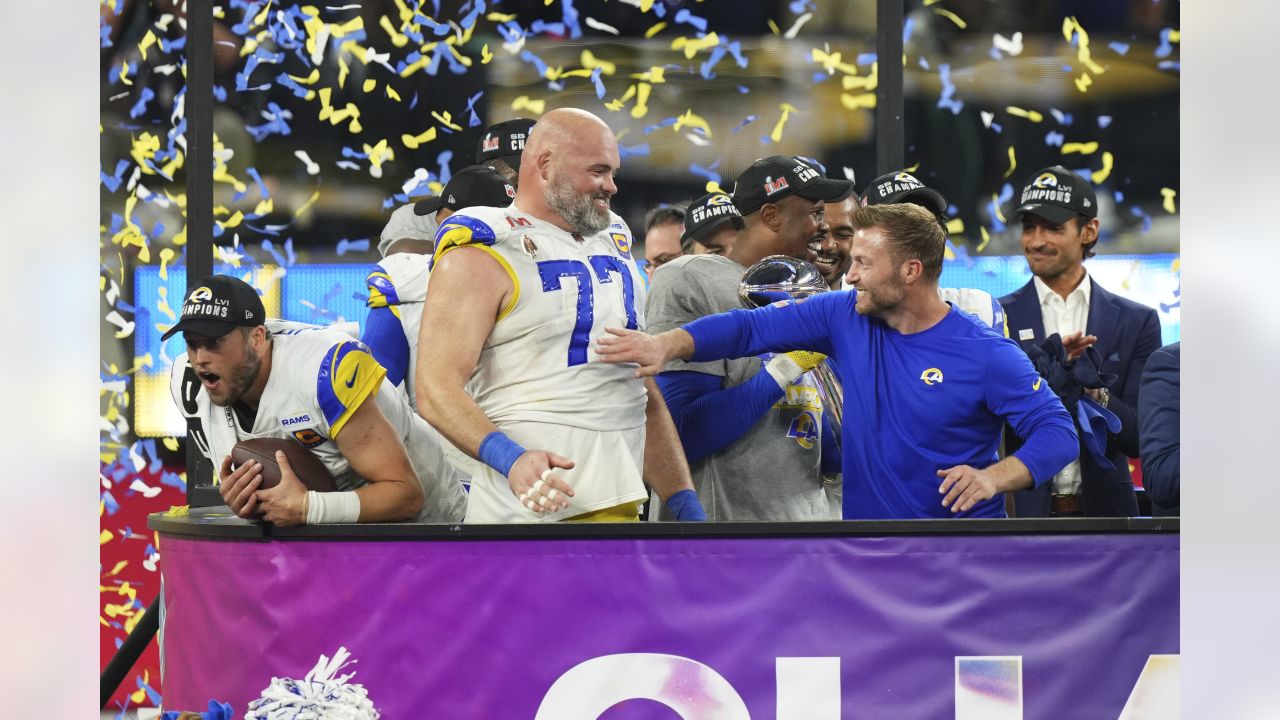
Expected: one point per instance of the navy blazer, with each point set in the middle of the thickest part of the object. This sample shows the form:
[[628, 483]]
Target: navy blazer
[[1127, 334], [1158, 429]]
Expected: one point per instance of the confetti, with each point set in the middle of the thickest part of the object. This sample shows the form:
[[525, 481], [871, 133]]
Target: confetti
[[1084, 148], [1031, 115], [1169, 194], [1101, 175], [1010, 46], [1013, 163]]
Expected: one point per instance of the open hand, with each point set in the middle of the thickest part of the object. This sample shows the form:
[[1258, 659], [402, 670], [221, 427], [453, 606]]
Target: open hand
[[538, 488]]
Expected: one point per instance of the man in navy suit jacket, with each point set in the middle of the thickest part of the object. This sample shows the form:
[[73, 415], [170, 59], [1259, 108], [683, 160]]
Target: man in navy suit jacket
[[1059, 214], [1159, 409]]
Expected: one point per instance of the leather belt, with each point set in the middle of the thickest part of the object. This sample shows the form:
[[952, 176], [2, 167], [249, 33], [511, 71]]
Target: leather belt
[[1060, 504]]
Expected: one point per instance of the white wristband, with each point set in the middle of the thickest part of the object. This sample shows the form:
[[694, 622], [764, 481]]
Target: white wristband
[[783, 370], [332, 507]]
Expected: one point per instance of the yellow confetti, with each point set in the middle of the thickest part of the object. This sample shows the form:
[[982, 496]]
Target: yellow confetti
[[446, 119], [787, 109], [398, 38], [692, 46], [948, 253], [952, 17], [308, 80], [831, 62], [656, 75], [178, 511], [646, 5], [485, 56], [864, 101], [171, 443], [868, 83], [986, 238], [591, 62], [1175, 36], [1101, 175], [955, 226], [773, 27], [105, 537], [1072, 26], [1169, 194], [166, 255], [369, 85], [1031, 115], [1084, 148], [714, 187], [462, 59], [1083, 82], [995, 203], [524, 102], [413, 141], [500, 17], [342, 72], [657, 28], [124, 72], [145, 44], [118, 567], [391, 93], [307, 205], [263, 207], [689, 119], [642, 103], [1013, 162]]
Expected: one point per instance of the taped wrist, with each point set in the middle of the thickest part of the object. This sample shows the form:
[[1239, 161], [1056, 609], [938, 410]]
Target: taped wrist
[[499, 452], [332, 507], [685, 506]]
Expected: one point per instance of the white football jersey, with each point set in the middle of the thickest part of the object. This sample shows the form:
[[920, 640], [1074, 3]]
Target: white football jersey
[[399, 283], [539, 363], [319, 377], [538, 376]]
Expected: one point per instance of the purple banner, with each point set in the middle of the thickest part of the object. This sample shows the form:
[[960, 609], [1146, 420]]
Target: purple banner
[[943, 627]]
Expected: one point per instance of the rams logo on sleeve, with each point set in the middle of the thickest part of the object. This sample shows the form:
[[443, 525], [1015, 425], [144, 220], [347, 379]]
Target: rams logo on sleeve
[[348, 375], [382, 291], [458, 231]]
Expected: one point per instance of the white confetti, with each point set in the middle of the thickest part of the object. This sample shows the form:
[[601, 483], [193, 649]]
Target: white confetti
[[1010, 46], [126, 326], [987, 117], [595, 24], [790, 34], [312, 167], [322, 39], [140, 487], [347, 165], [419, 176]]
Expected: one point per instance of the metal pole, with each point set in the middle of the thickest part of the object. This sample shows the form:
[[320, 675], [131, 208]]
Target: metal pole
[[890, 132], [199, 168], [129, 653]]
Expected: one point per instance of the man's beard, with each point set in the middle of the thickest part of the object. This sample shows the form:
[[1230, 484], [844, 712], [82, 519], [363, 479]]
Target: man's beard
[[241, 378], [577, 209]]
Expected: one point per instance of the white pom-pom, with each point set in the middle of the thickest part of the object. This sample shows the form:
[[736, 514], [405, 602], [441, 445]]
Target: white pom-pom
[[319, 696]]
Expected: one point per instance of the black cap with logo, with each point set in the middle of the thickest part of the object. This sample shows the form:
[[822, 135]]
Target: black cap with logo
[[218, 305], [770, 179], [504, 140], [903, 187], [471, 186], [708, 213], [1057, 195]]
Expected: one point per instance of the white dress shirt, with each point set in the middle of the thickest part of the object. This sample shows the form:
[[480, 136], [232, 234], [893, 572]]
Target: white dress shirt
[[1065, 317]]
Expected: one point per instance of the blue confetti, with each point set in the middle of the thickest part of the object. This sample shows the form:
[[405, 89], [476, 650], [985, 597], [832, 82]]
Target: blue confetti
[[1146, 219], [1119, 196], [471, 108], [570, 16], [1066, 68], [1119, 47], [536, 61], [745, 122], [1053, 138], [1170, 65], [444, 159], [709, 173], [743, 89], [140, 107], [595, 80], [110, 503], [993, 52], [865, 58], [687, 18], [797, 7], [1104, 120], [1165, 47], [104, 34], [345, 246], [174, 480], [152, 695], [349, 152], [907, 26], [639, 150], [112, 182], [945, 100], [818, 77], [997, 127]]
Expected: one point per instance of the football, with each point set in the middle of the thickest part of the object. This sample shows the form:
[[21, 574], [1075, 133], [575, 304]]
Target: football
[[313, 474]]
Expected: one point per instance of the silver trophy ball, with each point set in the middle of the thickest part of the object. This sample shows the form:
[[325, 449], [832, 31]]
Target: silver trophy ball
[[777, 278]]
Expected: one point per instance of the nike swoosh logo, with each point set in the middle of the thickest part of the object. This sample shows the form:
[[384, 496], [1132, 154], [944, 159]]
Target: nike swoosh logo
[[1033, 387], [352, 382]]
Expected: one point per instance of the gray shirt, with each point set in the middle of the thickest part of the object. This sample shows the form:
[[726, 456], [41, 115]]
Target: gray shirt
[[772, 472]]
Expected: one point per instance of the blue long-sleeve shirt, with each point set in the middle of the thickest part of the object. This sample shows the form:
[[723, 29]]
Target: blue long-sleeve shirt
[[914, 404]]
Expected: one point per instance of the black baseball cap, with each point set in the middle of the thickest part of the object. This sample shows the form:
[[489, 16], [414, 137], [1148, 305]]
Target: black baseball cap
[[504, 140], [770, 179], [474, 185], [1057, 195], [903, 187], [218, 305], [708, 213]]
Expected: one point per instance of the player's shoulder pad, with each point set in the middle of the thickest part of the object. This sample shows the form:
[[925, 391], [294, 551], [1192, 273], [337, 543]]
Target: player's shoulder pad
[[398, 278], [348, 374], [469, 226]]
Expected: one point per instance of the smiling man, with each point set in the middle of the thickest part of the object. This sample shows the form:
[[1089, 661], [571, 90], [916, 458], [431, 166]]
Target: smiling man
[[927, 390], [246, 377], [830, 253], [505, 368], [752, 428], [1059, 215]]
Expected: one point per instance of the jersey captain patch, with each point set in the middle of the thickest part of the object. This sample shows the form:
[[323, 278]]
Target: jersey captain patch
[[348, 374], [623, 243]]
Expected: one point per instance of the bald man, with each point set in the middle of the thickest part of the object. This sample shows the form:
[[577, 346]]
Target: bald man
[[522, 293]]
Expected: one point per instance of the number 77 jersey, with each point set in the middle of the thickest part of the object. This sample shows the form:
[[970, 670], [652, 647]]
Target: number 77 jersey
[[539, 363]]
